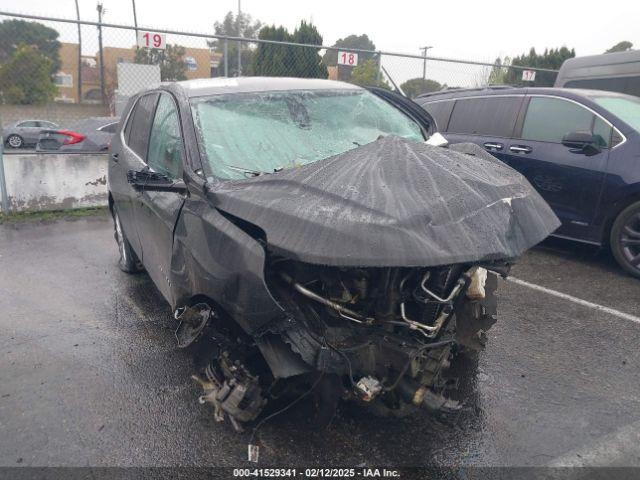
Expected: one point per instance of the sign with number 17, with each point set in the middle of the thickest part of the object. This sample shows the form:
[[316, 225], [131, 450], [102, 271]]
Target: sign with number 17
[[152, 40], [348, 58]]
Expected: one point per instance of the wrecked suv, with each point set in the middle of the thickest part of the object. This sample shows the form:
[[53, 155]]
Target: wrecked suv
[[306, 235]]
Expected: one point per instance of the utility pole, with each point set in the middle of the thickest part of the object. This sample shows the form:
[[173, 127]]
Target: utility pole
[[424, 64], [79, 79], [239, 42], [135, 21], [101, 10]]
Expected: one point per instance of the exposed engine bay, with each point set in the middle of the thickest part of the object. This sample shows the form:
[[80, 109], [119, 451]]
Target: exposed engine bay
[[354, 279], [379, 336]]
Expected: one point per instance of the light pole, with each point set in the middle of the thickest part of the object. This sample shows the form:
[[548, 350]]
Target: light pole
[[79, 79], [239, 42], [135, 20], [424, 64], [101, 11]]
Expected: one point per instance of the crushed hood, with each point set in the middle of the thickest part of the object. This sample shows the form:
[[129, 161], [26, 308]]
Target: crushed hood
[[394, 203]]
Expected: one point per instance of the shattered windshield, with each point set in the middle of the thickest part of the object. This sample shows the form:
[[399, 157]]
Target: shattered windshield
[[246, 134]]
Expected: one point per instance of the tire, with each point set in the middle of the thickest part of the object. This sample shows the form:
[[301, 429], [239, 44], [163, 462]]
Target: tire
[[15, 141], [128, 261], [625, 239]]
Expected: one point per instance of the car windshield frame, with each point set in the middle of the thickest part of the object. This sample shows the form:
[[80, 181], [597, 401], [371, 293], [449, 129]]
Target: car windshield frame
[[301, 105], [614, 104]]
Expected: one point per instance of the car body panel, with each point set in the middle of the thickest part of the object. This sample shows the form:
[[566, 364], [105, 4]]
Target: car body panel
[[404, 204]]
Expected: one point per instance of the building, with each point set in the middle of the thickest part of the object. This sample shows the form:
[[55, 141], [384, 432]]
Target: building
[[199, 63]]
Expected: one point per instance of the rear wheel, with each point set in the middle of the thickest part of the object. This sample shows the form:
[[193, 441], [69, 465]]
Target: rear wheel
[[625, 239], [128, 259], [15, 141]]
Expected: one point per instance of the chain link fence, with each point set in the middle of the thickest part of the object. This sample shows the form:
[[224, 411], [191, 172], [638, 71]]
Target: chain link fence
[[62, 70]]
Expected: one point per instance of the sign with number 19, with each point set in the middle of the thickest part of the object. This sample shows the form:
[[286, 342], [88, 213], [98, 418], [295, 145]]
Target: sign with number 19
[[152, 40]]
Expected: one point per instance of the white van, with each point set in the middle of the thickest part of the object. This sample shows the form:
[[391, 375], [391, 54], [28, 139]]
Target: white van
[[615, 72]]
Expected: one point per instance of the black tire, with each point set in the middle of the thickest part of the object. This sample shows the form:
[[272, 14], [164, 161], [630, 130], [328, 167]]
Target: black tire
[[128, 261], [15, 141], [625, 239]]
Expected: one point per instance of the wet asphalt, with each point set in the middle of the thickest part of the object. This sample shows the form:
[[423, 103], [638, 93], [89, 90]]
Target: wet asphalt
[[90, 374]]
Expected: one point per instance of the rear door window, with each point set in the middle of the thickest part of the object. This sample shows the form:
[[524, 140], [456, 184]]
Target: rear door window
[[140, 121], [550, 119], [440, 111], [165, 144], [489, 116]]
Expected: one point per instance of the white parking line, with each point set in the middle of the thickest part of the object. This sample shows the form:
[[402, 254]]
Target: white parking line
[[619, 448], [579, 301]]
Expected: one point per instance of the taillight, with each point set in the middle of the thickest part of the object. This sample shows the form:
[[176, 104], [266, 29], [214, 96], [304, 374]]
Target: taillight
[[71, 137]]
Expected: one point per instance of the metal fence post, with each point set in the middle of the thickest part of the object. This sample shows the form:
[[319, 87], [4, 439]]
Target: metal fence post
[[3, 183], [226, 57], [379, 72]]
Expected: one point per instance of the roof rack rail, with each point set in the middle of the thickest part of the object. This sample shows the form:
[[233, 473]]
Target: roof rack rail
[[471, 89]]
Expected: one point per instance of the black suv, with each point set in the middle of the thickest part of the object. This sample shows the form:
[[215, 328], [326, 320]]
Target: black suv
[[579, 148], [302, 230]]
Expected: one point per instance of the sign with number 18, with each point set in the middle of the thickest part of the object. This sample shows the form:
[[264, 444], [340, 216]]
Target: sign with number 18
[[348, 58]]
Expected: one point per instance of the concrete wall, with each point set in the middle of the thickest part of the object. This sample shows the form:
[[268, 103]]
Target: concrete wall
[[55, 181], [60, 113]]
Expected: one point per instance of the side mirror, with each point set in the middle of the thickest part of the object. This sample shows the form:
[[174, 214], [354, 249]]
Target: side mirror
[[154, 182], [581, 142]]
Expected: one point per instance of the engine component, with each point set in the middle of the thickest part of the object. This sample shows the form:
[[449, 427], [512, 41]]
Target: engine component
[[368, 388], [342, 310], [422, 397], [476, 290], [238, 395]]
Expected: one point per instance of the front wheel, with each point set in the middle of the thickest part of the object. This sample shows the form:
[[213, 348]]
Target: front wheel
[[625, 239], [128, 259], [15, 141]]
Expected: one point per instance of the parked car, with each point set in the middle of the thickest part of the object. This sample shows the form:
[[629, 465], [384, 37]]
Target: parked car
[[615, 72], [579, 148], [302, 230], [25, 133], [88, 135]]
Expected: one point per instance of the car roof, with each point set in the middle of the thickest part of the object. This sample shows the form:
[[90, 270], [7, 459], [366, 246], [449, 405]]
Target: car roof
[[475, 92], [602, 59], [33, 120], [221, 85]]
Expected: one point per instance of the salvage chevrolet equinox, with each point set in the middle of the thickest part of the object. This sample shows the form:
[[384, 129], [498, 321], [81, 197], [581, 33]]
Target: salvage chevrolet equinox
[[306, 236]]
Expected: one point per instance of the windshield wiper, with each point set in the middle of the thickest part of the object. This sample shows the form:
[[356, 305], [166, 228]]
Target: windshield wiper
[[248, 171]]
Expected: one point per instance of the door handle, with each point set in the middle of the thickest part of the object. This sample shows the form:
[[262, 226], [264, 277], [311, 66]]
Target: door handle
[[114, 157], [493, 146], [520, 149]]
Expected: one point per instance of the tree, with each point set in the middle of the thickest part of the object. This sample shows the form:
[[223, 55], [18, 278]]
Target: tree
[[171, 61], [498, 74], [289, 61], [307, 62], [366, 75], [271, 60], [361, 42], [551, 58], [416, 86], [26, 77], [43, 39], [247, 28], [620, 47]]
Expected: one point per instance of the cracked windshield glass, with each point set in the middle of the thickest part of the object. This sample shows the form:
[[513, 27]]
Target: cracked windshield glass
[[248, 134]]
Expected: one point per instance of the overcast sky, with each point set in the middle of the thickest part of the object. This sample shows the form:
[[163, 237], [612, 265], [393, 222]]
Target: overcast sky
[[463, 28]]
